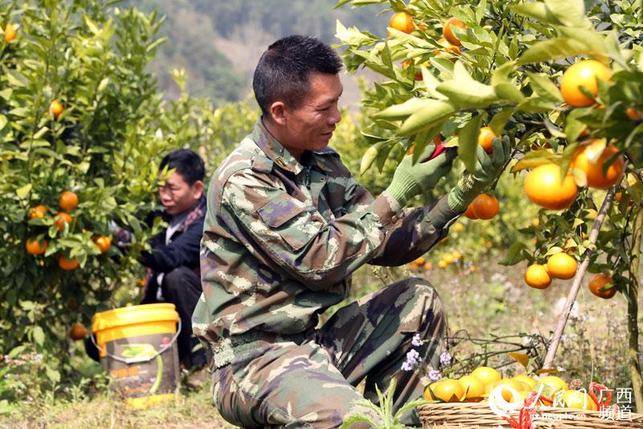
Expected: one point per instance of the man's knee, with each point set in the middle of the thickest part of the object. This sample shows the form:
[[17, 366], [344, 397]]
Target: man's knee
[[178, 279]]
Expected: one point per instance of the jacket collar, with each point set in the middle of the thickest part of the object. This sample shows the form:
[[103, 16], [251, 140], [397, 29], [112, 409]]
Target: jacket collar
[[274, 150], [282, 157]]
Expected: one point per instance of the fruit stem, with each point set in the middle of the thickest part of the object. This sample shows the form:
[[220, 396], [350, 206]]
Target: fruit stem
[[578, 278], [632, 312]]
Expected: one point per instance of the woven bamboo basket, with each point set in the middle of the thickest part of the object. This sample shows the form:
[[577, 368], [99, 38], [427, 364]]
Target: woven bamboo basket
[[473, 415]]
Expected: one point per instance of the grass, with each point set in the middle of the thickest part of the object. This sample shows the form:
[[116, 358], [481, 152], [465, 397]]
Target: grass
[[483, 300]]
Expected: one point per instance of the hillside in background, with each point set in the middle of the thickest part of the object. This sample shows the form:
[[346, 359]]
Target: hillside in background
[[219, 43]]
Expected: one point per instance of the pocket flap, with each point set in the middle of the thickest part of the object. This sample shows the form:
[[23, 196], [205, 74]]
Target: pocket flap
[[277, 212]]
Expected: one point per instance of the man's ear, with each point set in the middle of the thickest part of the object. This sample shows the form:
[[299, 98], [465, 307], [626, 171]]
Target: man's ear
[[278, 112], [198, 188]]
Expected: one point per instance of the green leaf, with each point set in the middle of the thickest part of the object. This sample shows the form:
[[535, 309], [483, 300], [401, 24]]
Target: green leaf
[[403, 110], [52, 374], [500, 119], [468, 142], [536, 10], [23, 191], [435, 111], [535, 159], [38, 335], [468, 93], [515, 253], [3, 121], [570, 13], [553, 49], [508, 91], [15, 78], [544, 87]]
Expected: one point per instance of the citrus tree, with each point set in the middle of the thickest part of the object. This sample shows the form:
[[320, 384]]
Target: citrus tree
[[563, 83], [81, 134]]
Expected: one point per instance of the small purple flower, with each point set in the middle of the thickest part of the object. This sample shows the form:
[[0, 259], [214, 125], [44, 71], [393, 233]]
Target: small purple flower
[[434, 375], [416, 340], [445, 358], [411, 360]]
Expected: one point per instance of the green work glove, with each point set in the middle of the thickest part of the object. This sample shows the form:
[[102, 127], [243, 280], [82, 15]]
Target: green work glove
[[410, 179], [488, 168]]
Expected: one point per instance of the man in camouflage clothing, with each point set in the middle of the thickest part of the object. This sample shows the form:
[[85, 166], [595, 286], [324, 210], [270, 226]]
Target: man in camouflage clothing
[[286, 226]]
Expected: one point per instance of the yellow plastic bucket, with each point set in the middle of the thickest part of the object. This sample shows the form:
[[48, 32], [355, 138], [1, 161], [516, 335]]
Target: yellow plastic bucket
[[137, 347]]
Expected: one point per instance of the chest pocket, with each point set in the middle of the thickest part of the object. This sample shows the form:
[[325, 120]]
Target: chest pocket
[[292, 220]]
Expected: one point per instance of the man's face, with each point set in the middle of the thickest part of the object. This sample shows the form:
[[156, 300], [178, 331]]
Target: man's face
[[177, 195], [310, 126]]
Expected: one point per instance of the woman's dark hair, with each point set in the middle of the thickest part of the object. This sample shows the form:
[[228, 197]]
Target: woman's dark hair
[[283, 71], [187, 163]]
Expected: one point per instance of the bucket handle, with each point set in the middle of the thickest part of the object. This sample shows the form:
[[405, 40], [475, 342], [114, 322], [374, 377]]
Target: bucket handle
[[129, 361]]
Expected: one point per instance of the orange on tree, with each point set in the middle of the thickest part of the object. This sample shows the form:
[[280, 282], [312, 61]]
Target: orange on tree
[[537, 276], [601, 285], [485, 139], [447, 390], [103, 242], [583, 74], [543, 186], [68, 264], [67, 201], [447, 30], [590, 160], [36, 247], [10, 33], [77, 331], [56, 108], [561, 266], [437, 140], [38, 212], [401, 21], [61, 219], [408, 63], [484, 206], [634, 114]]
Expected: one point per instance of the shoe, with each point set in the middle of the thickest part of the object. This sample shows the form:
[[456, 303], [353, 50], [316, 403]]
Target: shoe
[[197, 378]]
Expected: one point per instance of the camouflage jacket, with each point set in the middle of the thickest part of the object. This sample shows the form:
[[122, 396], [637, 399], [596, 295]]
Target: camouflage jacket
[[282, 237]]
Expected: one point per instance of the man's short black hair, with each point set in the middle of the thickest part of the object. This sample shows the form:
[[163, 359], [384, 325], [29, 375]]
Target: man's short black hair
[[284, 70], [187, 163]]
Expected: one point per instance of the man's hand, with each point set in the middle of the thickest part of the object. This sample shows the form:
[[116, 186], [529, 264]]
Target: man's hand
[[488, 168], [411, 179]]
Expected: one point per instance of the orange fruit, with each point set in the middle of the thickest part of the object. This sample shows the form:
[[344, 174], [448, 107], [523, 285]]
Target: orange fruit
[[586, 74], [544, 187], [561, 266], [68, 264], [77, 331], [68, 201], [447, 390], [549, 385], [537, 276], [585, 160], [484, 206], [599, 285], [526, 380], [103, 242], [452, 49], [10, 33], [469, 212], [419, 261], [458, 227], [473, 387], [56, 108], [38, 212], [36, 247], [428, 266], [485, 139], [401, 21], [634, 114], [418, 73], [486, 375], [447, 31], [510, 389], [62, 219], [578, 400], [442, 263]]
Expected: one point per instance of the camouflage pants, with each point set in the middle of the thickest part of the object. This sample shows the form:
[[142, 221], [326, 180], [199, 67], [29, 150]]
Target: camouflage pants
[[312, 383]]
